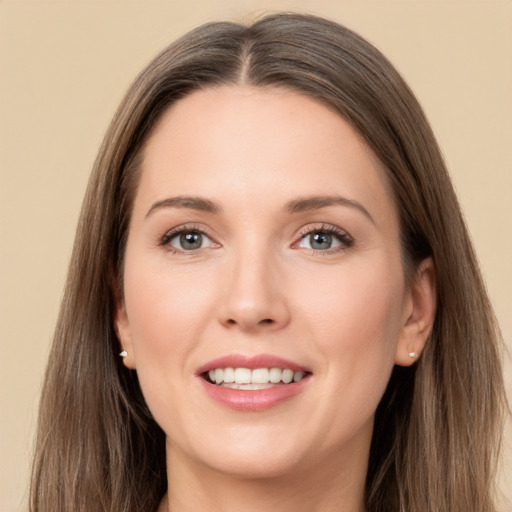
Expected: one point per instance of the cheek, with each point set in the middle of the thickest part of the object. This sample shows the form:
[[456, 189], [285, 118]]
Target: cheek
[[357, 318], [167, 310], [163, 301], [357, 331]]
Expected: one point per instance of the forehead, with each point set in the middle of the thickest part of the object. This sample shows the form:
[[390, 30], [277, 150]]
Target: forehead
[[258, 140]]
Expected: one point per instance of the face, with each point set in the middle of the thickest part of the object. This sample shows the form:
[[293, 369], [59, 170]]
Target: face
[[263, 248]]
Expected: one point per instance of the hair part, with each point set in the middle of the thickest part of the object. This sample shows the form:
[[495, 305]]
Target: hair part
[[438, 425]]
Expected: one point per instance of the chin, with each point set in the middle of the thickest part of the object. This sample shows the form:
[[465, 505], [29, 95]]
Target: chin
[[256, 466], [250, 454]]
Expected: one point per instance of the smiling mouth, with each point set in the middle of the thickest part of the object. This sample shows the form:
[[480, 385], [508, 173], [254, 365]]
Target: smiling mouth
[[253, 379]]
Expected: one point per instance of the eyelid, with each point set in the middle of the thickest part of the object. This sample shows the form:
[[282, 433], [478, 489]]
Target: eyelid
[[346, 240], [169, 235]]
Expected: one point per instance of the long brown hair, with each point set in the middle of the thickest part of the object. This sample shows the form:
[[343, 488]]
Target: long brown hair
[[438, 425]]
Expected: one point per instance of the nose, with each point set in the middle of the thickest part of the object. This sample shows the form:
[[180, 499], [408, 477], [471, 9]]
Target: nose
[[254, 294]]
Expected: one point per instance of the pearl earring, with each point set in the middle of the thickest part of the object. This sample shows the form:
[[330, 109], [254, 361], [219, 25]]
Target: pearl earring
[[412, 354], [123, 354]]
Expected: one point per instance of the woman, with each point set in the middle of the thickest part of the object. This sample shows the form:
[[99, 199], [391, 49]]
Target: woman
[[272, 244]]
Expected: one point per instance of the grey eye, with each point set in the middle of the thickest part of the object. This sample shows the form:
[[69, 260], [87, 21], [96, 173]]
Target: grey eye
[[190, 240], [320, 241]]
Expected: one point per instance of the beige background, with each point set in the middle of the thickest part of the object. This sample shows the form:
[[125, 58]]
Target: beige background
[[63, 69]]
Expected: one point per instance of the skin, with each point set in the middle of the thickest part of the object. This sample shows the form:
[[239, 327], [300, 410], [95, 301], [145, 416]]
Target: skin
[[256, 286]]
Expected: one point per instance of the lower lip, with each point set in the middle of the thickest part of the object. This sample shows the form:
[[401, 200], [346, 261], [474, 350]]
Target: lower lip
[[255, 400]]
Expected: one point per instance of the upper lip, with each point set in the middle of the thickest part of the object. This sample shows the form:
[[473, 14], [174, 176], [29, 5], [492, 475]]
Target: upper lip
[[251, 362]]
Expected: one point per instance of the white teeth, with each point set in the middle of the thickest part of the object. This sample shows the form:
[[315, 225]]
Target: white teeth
[[297, 376], [287, 376], [247, 387], [229, 375], [242, 375], [275, 375], [259, 378]]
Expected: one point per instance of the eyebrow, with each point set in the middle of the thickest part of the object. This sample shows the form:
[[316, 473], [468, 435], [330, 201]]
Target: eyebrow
[[190, 202], [318, 202], [295, 206]]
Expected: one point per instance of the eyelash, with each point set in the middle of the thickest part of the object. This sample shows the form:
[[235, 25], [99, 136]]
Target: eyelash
[[346, 240], [180, 230]]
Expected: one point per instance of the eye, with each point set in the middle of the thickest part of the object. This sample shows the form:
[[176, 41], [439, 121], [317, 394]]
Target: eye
[[186, 240], [326, 238]]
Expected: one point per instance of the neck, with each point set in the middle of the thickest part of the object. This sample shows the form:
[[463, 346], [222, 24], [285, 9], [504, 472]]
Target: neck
[[324, 488]]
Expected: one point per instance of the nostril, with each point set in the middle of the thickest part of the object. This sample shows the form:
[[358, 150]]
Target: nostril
[[264, 321]]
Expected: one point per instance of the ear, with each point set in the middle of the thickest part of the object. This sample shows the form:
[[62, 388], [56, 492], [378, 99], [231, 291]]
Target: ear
[[122, 328], [419, 314]]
